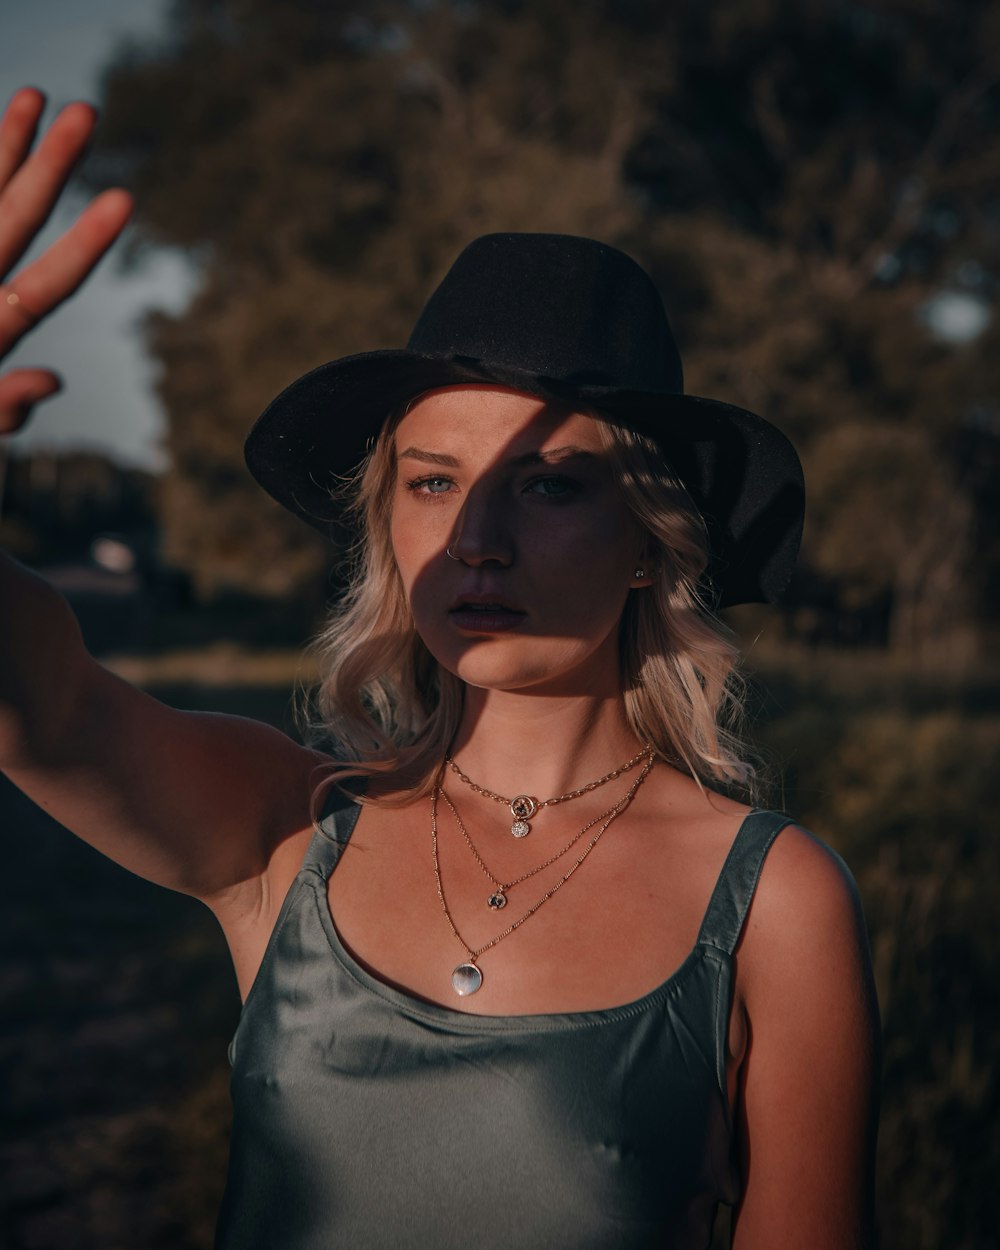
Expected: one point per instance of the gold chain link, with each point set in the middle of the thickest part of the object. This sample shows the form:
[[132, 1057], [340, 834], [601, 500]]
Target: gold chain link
[[570, 794]]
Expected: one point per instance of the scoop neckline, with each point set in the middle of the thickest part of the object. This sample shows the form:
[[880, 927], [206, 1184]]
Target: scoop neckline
[[474, 1022]]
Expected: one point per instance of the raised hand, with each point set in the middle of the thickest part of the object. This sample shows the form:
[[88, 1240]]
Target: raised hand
[[30, 184]]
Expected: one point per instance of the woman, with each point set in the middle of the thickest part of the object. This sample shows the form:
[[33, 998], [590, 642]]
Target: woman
[[529, 977]]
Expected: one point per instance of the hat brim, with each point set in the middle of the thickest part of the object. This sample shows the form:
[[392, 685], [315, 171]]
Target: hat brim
[[742, 472]]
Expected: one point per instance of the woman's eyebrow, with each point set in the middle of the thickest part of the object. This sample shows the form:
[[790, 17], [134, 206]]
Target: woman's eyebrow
[[430, 457], [552, 456]]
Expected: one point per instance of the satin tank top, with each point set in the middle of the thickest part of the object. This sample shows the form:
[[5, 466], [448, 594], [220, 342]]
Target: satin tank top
[[365, 1117]]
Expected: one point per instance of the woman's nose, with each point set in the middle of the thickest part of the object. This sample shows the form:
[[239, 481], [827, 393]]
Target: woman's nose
[[482, 531]]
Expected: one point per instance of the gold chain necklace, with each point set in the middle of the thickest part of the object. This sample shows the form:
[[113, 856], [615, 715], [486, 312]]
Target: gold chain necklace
[[498, 899], [466, 978], [524, 806]]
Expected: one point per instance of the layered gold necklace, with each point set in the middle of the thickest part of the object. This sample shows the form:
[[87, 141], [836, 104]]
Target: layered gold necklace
[[467, 977], [524, 806]]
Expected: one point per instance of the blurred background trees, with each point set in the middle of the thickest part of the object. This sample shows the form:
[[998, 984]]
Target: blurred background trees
[[815, 186]]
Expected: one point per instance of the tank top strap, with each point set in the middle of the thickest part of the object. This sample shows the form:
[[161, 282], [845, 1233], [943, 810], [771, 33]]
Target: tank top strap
[[338, 816], [734, 890]]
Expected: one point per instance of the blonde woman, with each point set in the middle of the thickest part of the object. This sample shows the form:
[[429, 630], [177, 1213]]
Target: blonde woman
[[517, 966]]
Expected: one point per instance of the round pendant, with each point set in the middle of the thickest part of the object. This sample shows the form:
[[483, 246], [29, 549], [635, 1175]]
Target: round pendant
[[520, 828], [523, 807], [466, 979], [497, 900]]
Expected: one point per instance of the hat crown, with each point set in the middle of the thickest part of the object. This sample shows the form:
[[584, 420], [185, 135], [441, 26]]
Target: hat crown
[[566, 309]]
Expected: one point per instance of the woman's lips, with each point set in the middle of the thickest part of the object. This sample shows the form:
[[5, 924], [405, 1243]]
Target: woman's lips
[[485, 618]]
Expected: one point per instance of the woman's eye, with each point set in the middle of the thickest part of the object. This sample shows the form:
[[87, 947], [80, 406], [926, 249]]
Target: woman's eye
[[430, 485], [553, 487]]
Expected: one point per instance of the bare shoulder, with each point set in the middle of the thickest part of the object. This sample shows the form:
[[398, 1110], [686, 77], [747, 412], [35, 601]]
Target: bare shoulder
[[806, 906]]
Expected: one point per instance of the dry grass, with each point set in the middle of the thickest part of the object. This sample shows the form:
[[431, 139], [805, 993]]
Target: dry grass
[[216, 664]]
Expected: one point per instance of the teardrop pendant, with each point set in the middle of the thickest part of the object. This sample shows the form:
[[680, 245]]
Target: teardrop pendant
[[466, 979]]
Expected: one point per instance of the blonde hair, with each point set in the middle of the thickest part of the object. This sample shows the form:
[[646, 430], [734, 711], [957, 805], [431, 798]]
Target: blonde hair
[[385, 706]]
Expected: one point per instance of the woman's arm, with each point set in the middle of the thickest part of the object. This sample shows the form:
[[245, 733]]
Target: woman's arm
[[807, 1117], [194, 802]]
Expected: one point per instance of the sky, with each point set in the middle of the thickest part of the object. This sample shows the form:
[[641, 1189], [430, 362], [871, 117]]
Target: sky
[[93, 341]]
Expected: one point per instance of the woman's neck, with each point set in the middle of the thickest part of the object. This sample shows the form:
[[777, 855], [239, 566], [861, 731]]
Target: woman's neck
[[517, 743]]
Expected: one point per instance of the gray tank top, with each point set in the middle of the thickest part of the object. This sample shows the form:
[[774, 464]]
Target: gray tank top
[[365, 1117]]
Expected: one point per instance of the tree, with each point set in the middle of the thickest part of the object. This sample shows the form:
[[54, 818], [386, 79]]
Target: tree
[[805, 180]]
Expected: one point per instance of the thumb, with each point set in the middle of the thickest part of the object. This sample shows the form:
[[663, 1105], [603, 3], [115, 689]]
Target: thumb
[[20, 390]]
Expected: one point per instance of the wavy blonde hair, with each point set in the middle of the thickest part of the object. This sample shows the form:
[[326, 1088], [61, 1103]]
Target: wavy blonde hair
[[384, 705]]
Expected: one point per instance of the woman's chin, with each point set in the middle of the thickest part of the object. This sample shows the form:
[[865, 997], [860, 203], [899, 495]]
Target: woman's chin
[[541, 670]]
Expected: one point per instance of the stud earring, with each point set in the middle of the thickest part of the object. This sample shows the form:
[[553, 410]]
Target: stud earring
[[639, 573]]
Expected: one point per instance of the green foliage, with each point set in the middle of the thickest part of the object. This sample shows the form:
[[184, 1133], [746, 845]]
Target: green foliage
[[801, 177]]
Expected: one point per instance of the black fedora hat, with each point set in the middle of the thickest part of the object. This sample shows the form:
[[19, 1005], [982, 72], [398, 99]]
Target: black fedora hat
[[568, 319]]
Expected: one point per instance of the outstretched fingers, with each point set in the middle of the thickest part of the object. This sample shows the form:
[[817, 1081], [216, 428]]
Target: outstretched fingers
[[31, 190], [57, 273], [41, 286], [31, 181]]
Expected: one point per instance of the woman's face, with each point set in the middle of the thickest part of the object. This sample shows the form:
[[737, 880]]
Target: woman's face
[[545, 548]]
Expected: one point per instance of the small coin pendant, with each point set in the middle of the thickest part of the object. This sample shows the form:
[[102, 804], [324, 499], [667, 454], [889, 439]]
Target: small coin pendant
[[466, 979], [497, 900], [520, 828]]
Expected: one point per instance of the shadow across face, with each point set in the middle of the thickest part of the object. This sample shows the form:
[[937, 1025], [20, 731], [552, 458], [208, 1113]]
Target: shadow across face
[[513, 541]]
